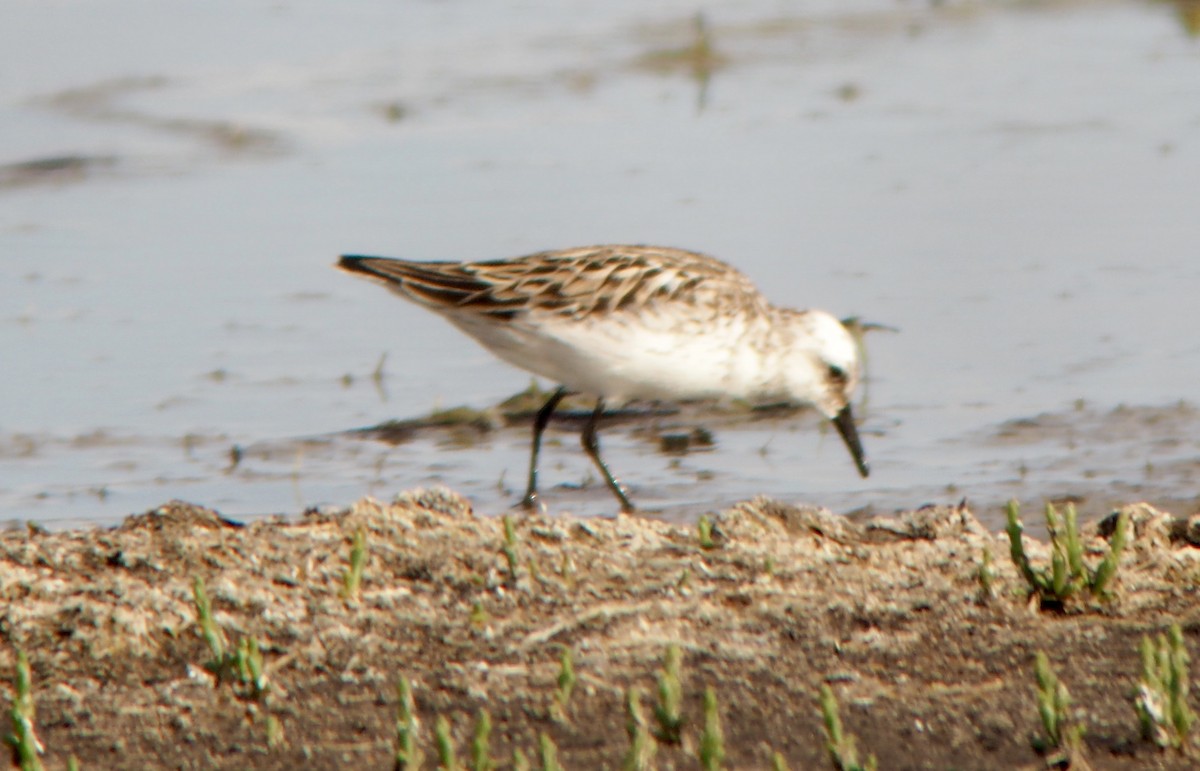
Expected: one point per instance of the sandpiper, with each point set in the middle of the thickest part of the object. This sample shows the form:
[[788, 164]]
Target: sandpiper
[[623, 323]]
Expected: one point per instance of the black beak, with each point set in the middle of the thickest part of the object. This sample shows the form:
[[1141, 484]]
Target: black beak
[[845, 426]]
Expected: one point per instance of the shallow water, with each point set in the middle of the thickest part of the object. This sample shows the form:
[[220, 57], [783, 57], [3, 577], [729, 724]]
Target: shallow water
[[1010, 185]]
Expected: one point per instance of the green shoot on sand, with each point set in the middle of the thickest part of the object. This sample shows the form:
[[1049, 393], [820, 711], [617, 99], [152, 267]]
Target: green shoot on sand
[[669, 709], [1162, 693], [246, 660], [445, 745], [712, 739], [248, 664], [548, 753], [408, 751], [208, 627], [566, 685], [352, 579], [641, 744], [1068, 574], [479, 616], [535, 572], [519, 761], [275, 737], [25, 745], [842, 750], [566, 569], [510, 547], [987, 575], [481, 744], [1062, 737], [778, 763], [245, 663], [704, 528]]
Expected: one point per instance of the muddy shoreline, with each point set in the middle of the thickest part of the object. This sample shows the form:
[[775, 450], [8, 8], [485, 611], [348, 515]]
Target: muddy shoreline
[[929, 671]]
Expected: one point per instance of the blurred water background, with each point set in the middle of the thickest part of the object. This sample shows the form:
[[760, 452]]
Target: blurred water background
[[1011, 185]]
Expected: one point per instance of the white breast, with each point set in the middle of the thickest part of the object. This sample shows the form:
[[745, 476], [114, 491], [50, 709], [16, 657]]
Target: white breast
[[627, 356]]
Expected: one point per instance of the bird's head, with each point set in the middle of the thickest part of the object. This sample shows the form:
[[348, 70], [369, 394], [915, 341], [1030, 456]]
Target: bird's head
[[824, 370]]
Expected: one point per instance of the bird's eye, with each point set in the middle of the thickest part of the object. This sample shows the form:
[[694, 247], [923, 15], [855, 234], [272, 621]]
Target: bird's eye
[[837, 374]]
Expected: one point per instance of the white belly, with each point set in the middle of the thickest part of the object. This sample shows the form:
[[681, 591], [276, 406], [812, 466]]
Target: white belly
[[626, 357]]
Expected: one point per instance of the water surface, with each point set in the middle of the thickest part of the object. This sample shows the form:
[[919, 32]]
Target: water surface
[[1010, 185]]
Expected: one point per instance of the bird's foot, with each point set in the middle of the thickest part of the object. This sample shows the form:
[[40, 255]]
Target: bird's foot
[[531, 503]]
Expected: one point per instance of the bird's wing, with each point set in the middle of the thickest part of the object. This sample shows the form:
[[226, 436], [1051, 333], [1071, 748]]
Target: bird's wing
[[438, 285], [569, 282]]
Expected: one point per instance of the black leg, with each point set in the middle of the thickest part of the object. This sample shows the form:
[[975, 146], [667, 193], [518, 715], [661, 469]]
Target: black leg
[[592, 447], [539, 426]]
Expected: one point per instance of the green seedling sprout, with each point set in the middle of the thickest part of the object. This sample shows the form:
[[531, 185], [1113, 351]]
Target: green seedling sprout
[[1062, 738], [669, 709], [519, 761], [275, 737], [566, 685], [712, 739], [704, 529], [245, 662], [352, 578], [408, 751], [842, 750], [1068, 575], [1017, 547], [641, 744], [479, 616], [1107, 568], [248, 664], [567, 570], [778, 763], [510, 548], [213, 635], [1161, 700], [987, 575], [481, 744], [26, 749], [548, 753], [445, 745]]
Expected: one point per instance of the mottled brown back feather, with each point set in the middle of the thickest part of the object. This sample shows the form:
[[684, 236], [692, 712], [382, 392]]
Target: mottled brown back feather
[[571, 282]]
